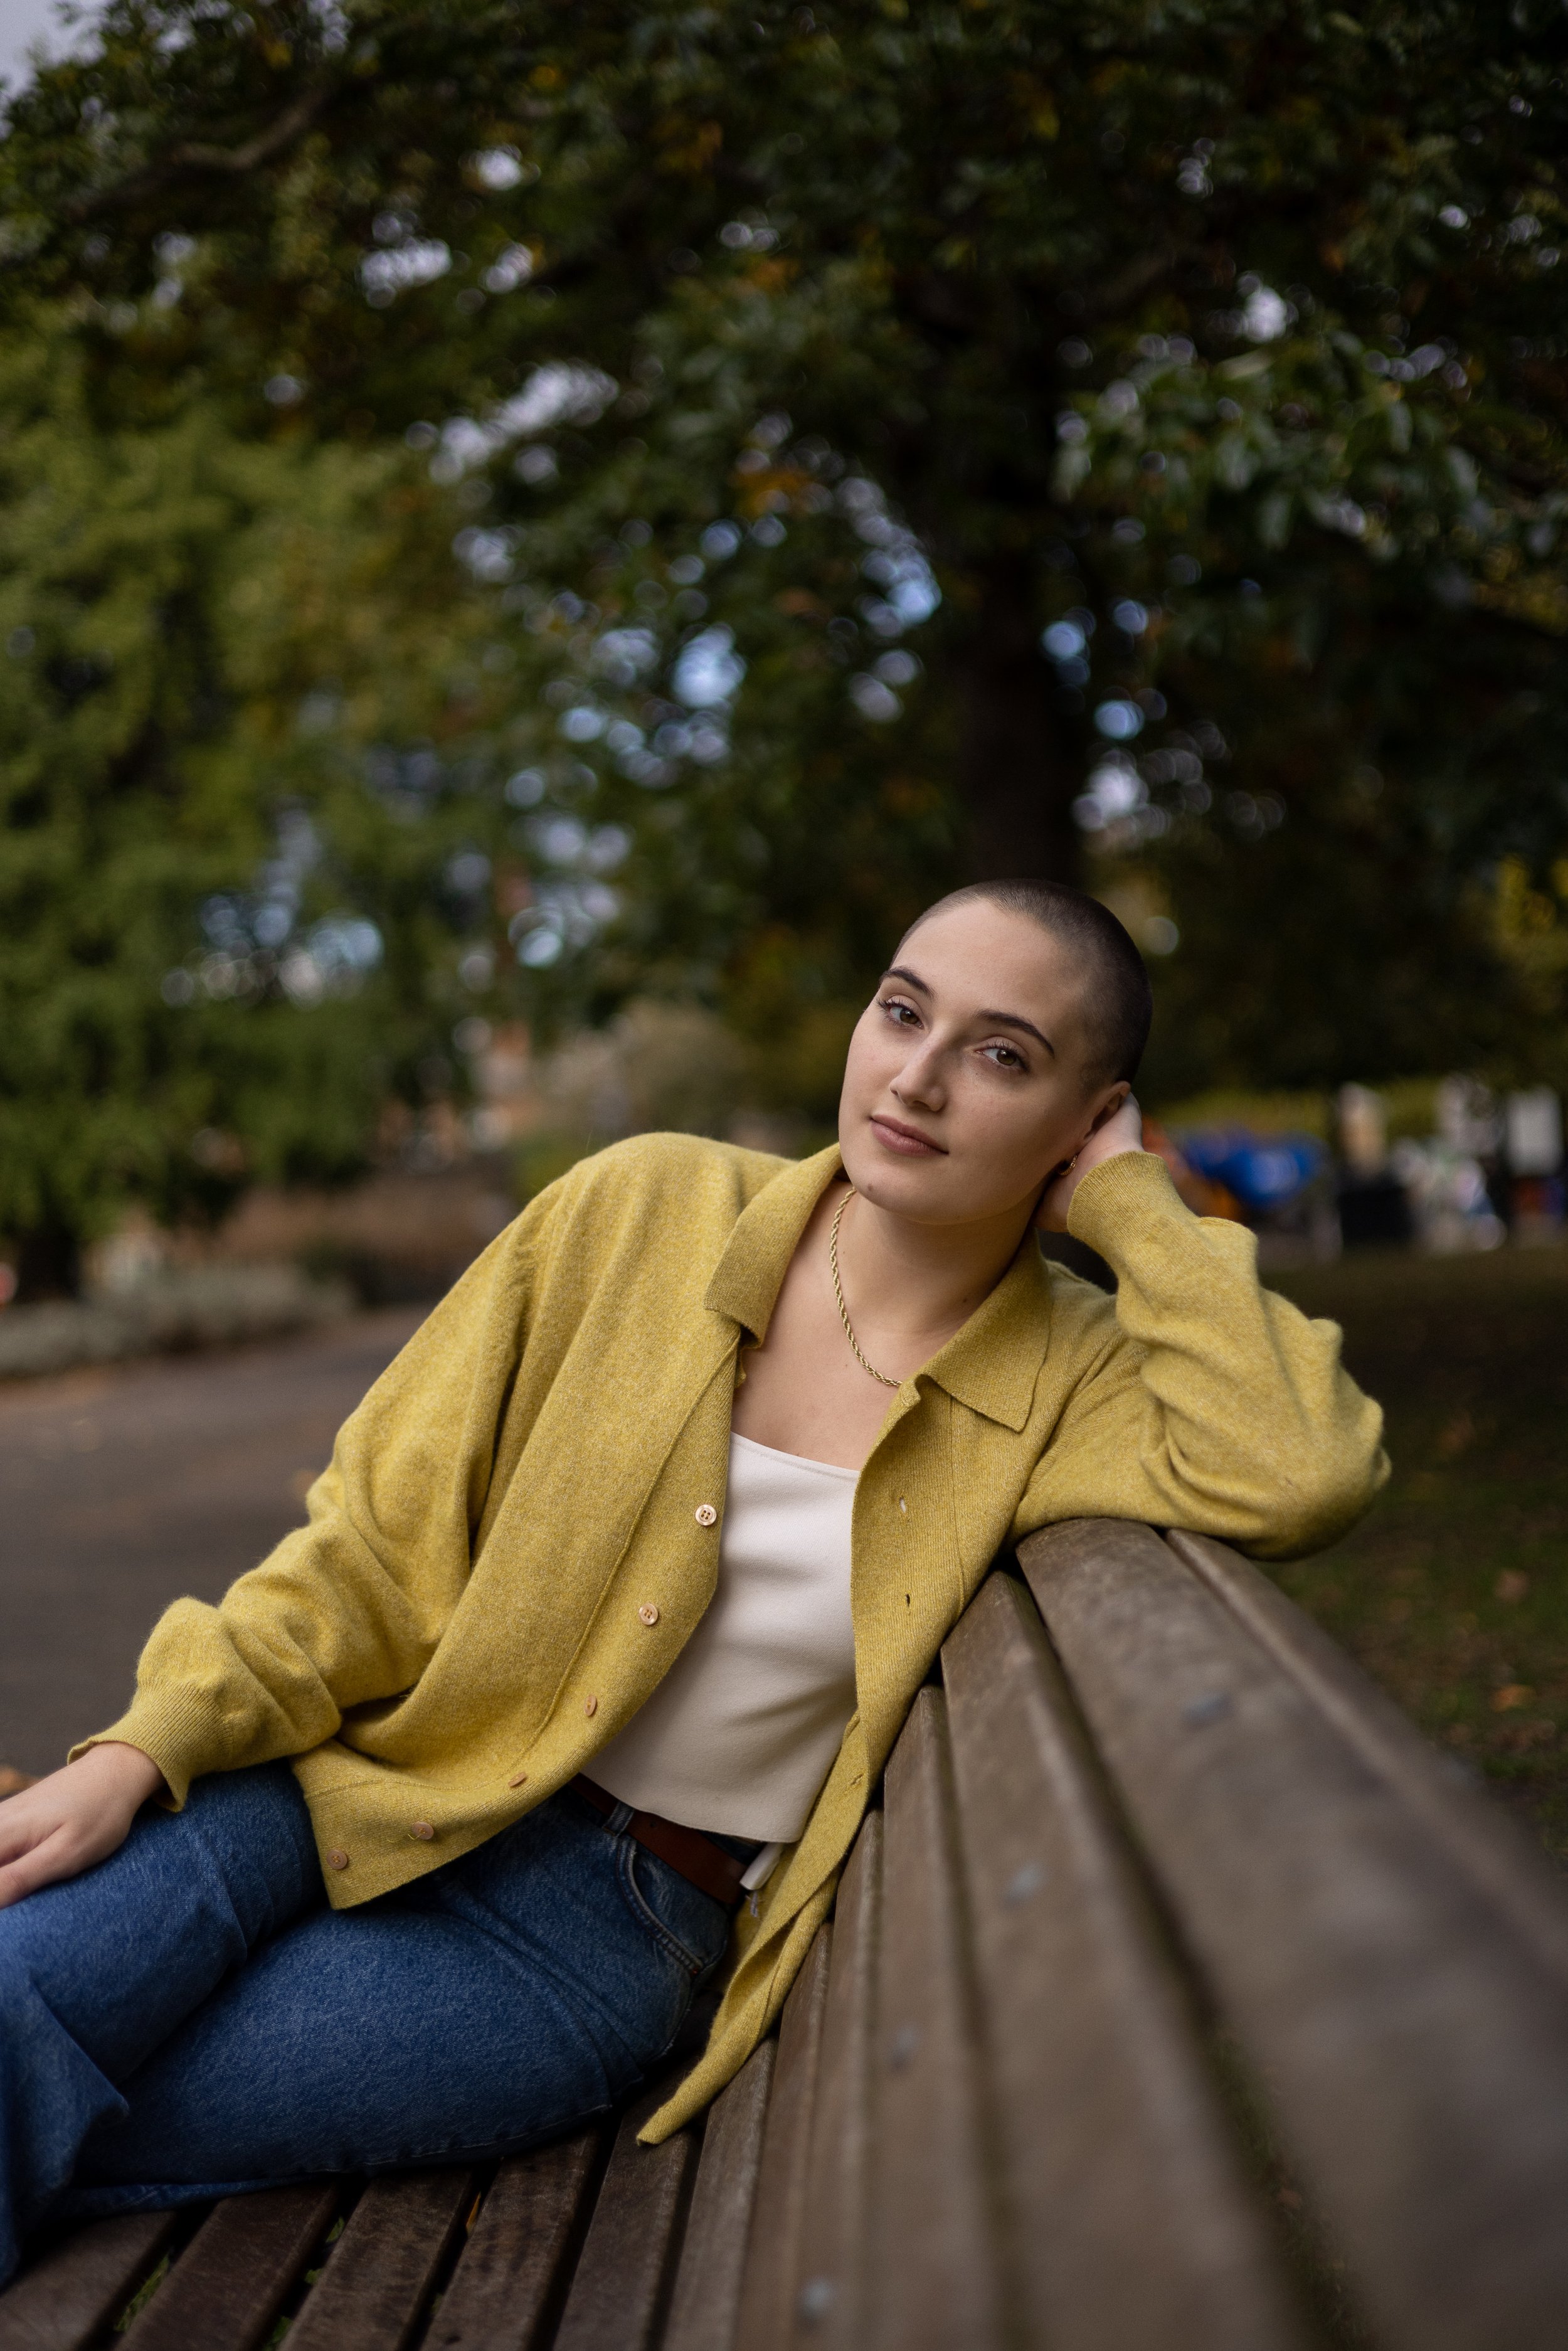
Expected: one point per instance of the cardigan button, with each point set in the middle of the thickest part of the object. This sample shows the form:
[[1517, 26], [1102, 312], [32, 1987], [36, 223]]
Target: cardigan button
[[517, 1779], [648, 1613], [421, 1829], [590, 1705], [337, 1858], [705, 1514]]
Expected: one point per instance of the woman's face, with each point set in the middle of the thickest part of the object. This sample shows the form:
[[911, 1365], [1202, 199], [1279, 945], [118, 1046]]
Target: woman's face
[[967, 1083]]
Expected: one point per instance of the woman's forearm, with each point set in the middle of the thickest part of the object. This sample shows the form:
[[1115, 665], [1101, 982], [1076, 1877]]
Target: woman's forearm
[[1225, 1409]]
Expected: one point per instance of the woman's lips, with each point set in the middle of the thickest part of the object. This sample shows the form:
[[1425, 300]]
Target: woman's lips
[[907, 1141]]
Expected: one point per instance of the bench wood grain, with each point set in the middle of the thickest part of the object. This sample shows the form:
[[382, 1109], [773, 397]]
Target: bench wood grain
[[80, 2285], [834, 2264], [511, 2279], [1177, 1997], [705, 2313], [238, 2271], [773, 2256], [1412, 2043], [1113, 2134], [376, 2286], [934, 2225], [619, 2291]]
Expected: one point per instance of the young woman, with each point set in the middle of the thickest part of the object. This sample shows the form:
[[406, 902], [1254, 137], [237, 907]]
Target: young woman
[[615, 1595]]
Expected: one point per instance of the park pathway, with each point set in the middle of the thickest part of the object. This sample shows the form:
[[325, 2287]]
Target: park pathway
[[122, 1488]]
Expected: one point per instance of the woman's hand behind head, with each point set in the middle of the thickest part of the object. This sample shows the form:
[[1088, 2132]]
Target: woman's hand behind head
[[1120, 1130]]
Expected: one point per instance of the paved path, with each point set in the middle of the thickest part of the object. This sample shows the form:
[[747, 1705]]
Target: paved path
[[122, 1488]]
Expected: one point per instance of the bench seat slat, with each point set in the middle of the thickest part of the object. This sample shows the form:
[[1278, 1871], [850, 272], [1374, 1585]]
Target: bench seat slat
[[74, 2289], [380, 2273], [705, 2315], [933, 2240], [832, 2297], [773, 2256], [511, 2274], [619, 2290], [1412, 2045], [232, 2280], [1130, 2219]]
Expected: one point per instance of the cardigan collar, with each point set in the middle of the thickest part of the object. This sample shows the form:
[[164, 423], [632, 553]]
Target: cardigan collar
[[767, 1233], [991, 1364]]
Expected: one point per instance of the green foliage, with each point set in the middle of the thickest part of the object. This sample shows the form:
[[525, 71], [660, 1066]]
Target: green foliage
[[1231, 339], [156, 607]]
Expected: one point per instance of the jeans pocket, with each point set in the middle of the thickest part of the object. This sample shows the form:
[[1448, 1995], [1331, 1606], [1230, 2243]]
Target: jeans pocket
[[684, 1921]]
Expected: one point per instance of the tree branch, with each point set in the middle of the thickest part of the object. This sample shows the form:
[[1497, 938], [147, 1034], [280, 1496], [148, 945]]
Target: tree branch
[[192, 156], [1130, 283]]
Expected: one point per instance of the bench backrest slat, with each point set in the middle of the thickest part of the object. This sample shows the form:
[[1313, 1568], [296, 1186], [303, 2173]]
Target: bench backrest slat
[[1131, 2221], [933, 2237], [1412, 2049], [380, 2275], [832, 2279], [773, 2257], [237, 2275], [705, 2315], [508, 2286], [1509, 1871]]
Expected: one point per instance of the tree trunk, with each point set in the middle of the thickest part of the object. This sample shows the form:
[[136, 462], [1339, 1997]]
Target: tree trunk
[[1019, 768], [48, 1263]]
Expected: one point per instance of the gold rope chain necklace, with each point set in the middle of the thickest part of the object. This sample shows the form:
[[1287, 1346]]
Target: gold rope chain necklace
[[839, 1294]]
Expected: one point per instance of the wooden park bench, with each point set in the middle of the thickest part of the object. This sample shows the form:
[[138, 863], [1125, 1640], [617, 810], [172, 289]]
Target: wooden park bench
[[1178, 1998]]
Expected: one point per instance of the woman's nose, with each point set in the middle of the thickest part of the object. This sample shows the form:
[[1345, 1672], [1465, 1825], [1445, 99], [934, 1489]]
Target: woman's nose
[[920, 1080]]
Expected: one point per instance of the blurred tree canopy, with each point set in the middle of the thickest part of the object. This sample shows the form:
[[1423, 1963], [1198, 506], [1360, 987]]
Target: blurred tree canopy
[[644, 497], [183, 935]]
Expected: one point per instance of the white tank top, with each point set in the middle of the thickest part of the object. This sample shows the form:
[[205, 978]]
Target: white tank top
[[743, 1730]]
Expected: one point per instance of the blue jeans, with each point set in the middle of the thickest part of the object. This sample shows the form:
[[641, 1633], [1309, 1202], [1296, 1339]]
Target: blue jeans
[[190, 2020]]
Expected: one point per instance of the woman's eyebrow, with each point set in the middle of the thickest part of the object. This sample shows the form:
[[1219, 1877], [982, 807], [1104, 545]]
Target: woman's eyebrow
[[986, 1019], [1015, 1020]]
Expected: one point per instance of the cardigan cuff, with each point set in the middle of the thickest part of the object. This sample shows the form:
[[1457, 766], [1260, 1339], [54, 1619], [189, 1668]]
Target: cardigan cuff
[[1120, 1198], [175, 1729]]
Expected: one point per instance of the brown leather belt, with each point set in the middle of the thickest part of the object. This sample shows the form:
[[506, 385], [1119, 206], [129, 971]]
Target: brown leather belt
[[695, 1857]]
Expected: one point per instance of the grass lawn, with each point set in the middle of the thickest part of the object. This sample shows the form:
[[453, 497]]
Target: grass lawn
[[1453, 1593]]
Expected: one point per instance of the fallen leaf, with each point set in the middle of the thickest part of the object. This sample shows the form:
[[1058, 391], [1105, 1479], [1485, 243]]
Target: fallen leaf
[[1511, 1695], [1457, 1437]]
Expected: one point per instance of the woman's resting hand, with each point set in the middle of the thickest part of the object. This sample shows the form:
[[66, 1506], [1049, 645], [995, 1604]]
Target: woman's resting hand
[[73, 1819]]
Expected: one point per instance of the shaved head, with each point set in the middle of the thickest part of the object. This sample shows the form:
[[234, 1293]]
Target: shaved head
[[1118, 1004]]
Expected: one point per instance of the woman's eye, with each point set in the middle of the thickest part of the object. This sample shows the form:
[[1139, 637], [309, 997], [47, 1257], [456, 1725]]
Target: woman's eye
[[901, 1012], [1005, 1057]]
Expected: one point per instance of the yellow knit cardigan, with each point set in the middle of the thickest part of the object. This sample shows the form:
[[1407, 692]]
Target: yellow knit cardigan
[[456, 1630]]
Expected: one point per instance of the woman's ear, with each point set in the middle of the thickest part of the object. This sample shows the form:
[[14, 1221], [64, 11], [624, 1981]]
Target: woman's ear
[[1115, 1097], [1116, 1126]]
